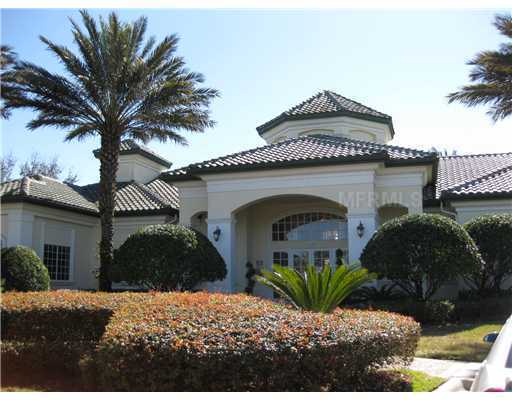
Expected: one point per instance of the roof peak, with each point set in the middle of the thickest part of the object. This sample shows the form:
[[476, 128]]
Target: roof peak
[[131, 146], [327, 103]]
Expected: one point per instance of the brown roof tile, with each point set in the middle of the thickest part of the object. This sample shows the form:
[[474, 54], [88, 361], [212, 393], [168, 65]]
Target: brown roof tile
[[306, 150], [472, 175], [154, 197], [324, 104]]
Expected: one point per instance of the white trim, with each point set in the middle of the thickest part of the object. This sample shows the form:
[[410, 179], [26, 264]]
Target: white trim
[[301, 181], [192, 192], [43, 233], [72, 256], [399, 180]]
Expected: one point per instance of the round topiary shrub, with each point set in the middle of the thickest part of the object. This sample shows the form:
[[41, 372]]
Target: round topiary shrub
[[23, 270], [168, 257], [420, 253], [493, 237], [215, 342]]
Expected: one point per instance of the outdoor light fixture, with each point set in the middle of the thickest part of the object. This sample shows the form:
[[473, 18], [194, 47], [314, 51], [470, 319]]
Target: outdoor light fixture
[[216, 234], [360, 229]]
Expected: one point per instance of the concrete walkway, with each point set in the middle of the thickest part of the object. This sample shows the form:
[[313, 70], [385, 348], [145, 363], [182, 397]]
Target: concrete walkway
[[443, 368]]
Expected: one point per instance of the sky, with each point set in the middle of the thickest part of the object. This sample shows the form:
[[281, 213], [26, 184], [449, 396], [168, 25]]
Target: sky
[[402, 63]]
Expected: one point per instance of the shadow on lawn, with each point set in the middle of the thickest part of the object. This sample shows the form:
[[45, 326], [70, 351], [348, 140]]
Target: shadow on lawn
[[40, 383]]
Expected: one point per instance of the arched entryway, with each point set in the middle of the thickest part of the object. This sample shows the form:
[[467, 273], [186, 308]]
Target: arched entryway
[[291, 230], [390, 211]]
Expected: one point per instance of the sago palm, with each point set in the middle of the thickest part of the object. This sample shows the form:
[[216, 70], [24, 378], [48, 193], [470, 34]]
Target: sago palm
[[492, 74], [314, 290], [118, 85]]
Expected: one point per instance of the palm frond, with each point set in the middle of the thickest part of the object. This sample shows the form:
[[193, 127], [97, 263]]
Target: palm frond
[[492, 77], [314, 290]]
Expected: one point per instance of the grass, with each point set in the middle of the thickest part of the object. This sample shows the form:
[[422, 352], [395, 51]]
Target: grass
[[461, 342], [422, 382]]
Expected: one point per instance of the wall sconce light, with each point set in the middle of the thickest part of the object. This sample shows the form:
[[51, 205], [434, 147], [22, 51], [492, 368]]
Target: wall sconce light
[[216, 234], [360, 229]]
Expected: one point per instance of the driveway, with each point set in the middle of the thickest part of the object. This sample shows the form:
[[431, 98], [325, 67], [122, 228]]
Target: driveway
[[444, 368]]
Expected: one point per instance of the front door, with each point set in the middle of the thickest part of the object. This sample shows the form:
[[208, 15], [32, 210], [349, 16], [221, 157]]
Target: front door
[[300, 259]]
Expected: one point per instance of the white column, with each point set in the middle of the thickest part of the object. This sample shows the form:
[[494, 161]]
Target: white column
[[356, 244], [20, 224], [226, 247]]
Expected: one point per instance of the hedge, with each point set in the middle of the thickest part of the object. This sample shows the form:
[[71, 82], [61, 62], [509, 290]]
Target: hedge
[[42, 330], [200, 341], [215, 342]]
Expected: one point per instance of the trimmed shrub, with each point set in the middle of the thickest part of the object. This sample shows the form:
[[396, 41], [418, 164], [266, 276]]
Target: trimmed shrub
[[23, 270], [386, 292], [493, 237], [435, 312], [54, 329], [420, 253], [214, 342], [491, 308], [168, 257], [377, 381]]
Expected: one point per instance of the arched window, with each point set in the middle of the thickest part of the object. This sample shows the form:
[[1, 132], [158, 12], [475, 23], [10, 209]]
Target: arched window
[[310, 226]]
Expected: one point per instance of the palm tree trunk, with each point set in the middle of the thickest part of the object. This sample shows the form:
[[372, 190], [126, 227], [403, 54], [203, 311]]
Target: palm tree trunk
[[109, 157]]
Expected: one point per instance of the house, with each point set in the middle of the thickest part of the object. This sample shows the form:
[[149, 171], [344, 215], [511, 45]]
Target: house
[[323, 183]]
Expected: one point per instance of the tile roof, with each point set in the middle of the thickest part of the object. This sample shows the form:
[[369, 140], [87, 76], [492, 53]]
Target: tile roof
[[129, 146], [326, 103], [156, 197], [306, 150], [469, 176]]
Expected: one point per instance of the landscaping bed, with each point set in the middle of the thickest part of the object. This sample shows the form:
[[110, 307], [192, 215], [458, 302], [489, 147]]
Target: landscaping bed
[[196, 342]]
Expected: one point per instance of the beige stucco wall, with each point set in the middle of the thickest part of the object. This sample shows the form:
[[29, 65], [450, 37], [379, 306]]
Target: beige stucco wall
[[353, 128], [466, 210], [134, 167], [45, 225], [52, 226]]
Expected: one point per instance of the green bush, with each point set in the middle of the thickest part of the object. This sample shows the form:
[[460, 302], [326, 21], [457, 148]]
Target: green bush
[[386, 292], [168, 257], [493, 237], [377, 381], [433, 312], [315, 290], [213, 342], [420, 253], [23, 270], [496, 308]]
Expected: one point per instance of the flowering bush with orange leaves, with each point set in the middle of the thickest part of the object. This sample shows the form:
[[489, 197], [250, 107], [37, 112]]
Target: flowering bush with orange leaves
[[197, 341], [216, 342], [44, 330]]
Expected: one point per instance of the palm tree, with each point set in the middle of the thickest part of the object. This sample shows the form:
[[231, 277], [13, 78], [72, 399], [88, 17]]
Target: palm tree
[[8, 59], [492, 74], [117, 86]]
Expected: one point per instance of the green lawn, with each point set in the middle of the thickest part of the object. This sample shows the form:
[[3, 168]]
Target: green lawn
[[462, 342], [422, 382]]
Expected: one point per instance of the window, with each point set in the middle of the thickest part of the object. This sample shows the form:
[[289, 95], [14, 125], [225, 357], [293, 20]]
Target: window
[[280, 258], [321, 258], [58, 261], [310, 226]]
